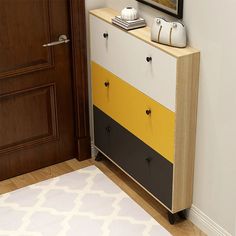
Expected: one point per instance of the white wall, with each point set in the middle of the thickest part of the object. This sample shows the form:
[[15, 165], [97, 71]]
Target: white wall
[[211, 29]]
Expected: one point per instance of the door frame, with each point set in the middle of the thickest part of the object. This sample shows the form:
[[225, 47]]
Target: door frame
[[80, 78]]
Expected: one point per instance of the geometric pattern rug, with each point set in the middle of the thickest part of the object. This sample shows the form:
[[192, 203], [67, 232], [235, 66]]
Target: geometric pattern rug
[[81, 203]]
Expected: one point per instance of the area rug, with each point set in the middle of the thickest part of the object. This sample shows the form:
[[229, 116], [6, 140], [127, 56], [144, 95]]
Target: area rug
[[81, 203]]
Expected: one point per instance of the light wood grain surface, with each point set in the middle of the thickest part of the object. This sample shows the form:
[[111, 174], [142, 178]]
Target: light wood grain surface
[[185, 133], [144, 34], [158, 212]]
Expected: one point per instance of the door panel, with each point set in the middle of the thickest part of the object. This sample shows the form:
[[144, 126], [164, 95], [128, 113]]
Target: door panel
[[36, 99], [20, 126], [16, 26]]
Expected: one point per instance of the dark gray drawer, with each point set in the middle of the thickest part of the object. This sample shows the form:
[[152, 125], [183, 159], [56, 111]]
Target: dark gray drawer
[[145, 165], [102, 127]]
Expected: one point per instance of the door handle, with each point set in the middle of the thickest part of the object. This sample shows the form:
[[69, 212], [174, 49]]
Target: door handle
[[61, 39]]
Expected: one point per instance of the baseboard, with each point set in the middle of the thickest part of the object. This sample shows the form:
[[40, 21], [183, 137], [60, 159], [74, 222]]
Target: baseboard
[[94, 151], [206, 224]]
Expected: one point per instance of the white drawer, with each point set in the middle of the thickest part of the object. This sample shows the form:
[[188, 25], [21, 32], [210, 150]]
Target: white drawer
[[125, 56]]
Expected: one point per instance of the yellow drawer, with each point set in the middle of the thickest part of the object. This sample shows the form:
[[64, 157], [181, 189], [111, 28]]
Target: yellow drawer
[[131, 108]]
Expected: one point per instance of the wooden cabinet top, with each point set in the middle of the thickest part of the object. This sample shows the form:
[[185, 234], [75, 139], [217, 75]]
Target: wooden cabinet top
[[144, 34]]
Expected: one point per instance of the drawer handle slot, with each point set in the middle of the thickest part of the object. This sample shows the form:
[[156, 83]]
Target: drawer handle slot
[[105, 35], [108, 129], [107, 84], [148, 159], [148, 112], [148, 59]]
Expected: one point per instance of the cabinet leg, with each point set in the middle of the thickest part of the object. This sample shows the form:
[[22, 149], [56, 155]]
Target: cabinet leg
[[176, 216], [182, 214], [99, 157], [172, 218]]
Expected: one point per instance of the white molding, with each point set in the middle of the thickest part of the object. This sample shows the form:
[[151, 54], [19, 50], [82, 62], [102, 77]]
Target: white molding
[[206, 224], [94, 151]]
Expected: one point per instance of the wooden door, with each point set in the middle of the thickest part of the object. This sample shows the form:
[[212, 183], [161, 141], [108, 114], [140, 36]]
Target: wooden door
[[37, 123]]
